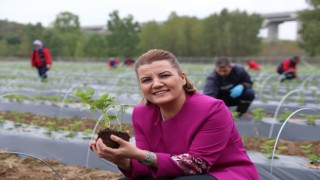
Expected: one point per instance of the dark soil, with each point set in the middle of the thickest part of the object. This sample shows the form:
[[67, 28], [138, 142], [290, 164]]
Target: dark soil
[[105, 136], [293, 148], [60, 123], [14, 167]]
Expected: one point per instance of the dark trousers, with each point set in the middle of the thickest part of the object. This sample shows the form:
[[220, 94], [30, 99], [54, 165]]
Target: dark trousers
[[42, 72], [195, 177], [288, 75], [242, 102]]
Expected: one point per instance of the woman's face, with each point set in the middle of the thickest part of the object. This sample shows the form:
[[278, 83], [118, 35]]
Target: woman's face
[[160, 83]]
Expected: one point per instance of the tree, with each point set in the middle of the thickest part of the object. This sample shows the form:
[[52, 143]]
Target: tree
[[55, 42], [122, 37], [211, 34], [29, 34], [176, 34], [95, 45], [68, 26], [232, 33], [3, 47], [149, 36], [34, 31], [197, 39], [310, 31], [79, 48], [67, 22]]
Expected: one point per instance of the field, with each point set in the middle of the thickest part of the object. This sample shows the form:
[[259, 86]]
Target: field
[[46, 120]]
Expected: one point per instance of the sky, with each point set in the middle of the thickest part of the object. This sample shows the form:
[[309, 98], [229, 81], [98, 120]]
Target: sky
[[96, 12]]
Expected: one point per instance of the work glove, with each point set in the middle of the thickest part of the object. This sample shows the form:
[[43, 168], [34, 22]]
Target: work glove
[[236, 91]]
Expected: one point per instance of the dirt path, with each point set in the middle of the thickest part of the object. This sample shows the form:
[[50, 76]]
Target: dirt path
[[14, 167]]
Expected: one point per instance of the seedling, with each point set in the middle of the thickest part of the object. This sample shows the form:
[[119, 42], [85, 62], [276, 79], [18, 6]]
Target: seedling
[[311, 119], [20, 98], [295, 83], [313, 158], [71, 134], [286, 113], [64, 128], [53, 98], [267, 148], [301, 99], [314, 95], [287, 86], [104, 104], [87, 132], [275, 88], [306, 84], [17, 121], [258, 114], [2, 121], [74, 126], [69, 100], [52, 126], [34, 122], [264, 99]]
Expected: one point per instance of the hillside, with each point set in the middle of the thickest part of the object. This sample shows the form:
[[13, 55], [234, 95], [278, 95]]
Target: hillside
[[10, 28]]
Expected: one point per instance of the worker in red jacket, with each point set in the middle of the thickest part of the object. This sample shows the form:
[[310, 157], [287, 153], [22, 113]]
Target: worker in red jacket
[[41, 59], [128, 62], [113, 63], [252, 65], [288, 68]]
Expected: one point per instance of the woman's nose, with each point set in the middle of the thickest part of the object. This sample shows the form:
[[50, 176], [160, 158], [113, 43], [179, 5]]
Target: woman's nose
[[157, 83]]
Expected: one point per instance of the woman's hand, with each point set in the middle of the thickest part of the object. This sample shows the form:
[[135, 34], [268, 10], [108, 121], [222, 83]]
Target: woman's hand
[[121, 156], [125, 150]]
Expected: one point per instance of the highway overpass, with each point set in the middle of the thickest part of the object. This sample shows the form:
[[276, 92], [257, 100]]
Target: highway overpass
[[271, 21]]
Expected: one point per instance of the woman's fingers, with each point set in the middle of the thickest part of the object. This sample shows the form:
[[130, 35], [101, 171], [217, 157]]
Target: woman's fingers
[[93, 148], [92, 144], [117, 140], [102, 147]]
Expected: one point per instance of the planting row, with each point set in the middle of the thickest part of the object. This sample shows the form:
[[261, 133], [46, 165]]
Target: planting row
[[73, 150]]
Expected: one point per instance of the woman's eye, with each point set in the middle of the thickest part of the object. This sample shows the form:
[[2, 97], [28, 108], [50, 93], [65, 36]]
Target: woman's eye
[[165, 75], [145, 80]]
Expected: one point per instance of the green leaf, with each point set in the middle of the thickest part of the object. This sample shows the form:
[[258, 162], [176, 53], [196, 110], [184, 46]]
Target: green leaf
[[112, 117], [282, 147]]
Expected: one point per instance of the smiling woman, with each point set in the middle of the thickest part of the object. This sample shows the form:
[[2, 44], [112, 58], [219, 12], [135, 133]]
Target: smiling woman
[[180, 133], [162, 82]]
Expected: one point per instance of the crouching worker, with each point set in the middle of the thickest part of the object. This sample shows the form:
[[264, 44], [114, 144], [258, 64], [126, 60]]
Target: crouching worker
[[288, 68], [253, 65], [230, 83]]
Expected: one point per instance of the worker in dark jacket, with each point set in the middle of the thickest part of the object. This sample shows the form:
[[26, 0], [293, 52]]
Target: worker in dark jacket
[[230, 83], [288, 68], [41, 59]]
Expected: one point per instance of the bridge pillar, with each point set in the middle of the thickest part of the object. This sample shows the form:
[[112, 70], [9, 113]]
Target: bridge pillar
[[273, 31], [299, 27]]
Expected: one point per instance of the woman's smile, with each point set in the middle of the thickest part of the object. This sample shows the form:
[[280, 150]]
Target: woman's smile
[[161, 92]]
